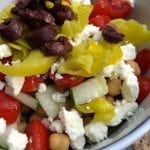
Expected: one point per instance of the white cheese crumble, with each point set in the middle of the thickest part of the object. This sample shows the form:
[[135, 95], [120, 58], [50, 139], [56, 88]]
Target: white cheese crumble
[[89, 31], [42, 87], [16, 83], [16, 140], [73, 123], [2, 126], [58, 76], [129, 52], [83, 2], [5, 51], [131, 2], [2, 85], [130, 88], [60, 97], [123, 110], [96, 131]]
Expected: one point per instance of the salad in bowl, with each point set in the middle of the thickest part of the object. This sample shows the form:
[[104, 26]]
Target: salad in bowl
[[70, 72]]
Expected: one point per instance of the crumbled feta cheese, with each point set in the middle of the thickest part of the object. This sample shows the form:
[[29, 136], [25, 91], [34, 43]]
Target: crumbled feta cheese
[[83, 2], [42, 87], [5, 51], [123, 110], [57, 126], [46, 122], [96, 131], [2, 126], [79, 143], [131, 2], [16, 140], [129, 52], [130, 88], [60, 97], [2, 85], [88, 32], [123, 70], [16, 83], [73, 123], [7, 63], [58, 76]]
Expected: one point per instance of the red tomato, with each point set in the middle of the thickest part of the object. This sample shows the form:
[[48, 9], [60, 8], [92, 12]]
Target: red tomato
[[144, 84], [100, 20], [143, 60], [38, 136], [2, 77], [67, 81], [9, 108], [31, 83], [112, 8]]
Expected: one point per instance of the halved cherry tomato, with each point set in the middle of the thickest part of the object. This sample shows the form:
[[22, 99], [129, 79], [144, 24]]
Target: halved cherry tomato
[[112, 8], [67, 81], [143, 60], [38, 136], [100, 20], [31, 83], [144, 84], [2, 77], [9, 108]]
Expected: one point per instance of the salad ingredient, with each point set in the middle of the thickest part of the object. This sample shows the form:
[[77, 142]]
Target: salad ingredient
[[112, 8], [58, 141], [23, 98], [144, 85], [2, 126], [67, 81], [73, 123], [2, 85], [10, 114], [100, 20], [40, 16], [111, 35], [48, 104], [35, 116], [96, 131], [4, 137], [135, 66], [61, 13], [41, 35], [29, 66], [143, 60], [17, 140], [104, 110], [5, 51], [23, 3], [71, 28], [97, 87], [15, 82], [38, 136], [31, 83], [123, 110], [134, 32], [89, 58], [2, 77], [114, 87], [60, 47], [130, 88], [42, 87]]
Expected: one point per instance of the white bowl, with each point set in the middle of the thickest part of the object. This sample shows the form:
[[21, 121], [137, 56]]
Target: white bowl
[[139, 124]]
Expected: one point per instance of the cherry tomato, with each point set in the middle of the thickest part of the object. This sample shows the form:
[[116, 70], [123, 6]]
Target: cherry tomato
[[143, 60], [9, 108], [67, 81], [31, 83], [100, 20], [112, 8], [144, 84], [2, 77], [38, 136]]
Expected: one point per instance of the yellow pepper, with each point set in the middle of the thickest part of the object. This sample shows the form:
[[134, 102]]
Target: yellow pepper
[[134, 32], [89, 58], [103, 110], [35, 63]]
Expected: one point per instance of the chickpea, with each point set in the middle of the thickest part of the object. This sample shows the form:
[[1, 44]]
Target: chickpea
[[135, 66], [41, 112], [114, 87], [110, 99], [59, 142], [35, 116]]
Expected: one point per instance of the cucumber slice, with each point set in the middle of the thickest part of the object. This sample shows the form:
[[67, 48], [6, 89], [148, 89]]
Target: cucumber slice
[[45, 99], [4, 137], [88, 90]]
